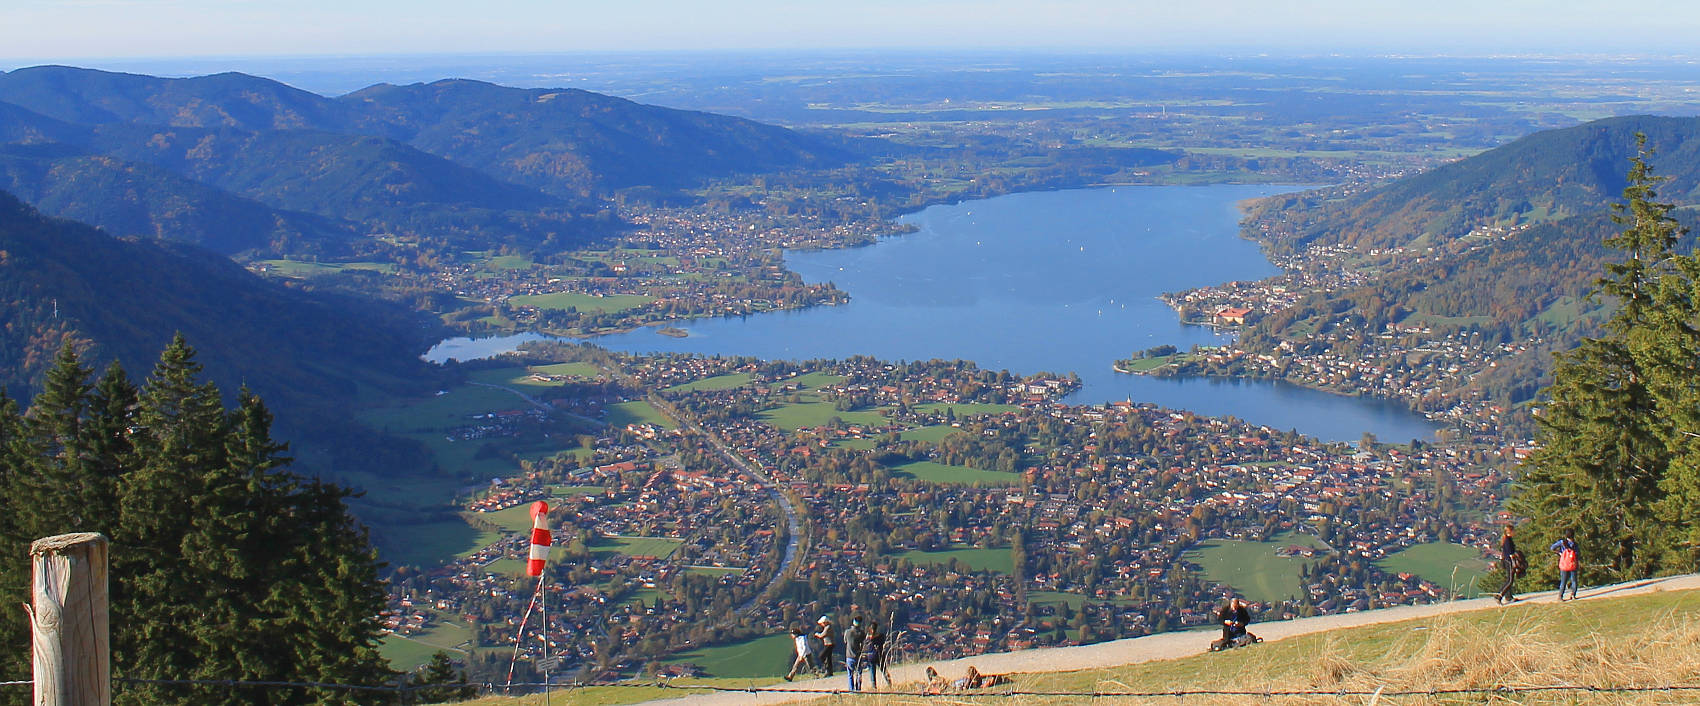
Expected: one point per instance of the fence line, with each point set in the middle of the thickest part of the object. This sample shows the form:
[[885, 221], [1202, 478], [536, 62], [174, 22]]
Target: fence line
[[491, 688]]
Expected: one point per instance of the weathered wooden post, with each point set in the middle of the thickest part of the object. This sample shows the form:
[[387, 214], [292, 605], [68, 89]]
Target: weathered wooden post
[[69, 621]]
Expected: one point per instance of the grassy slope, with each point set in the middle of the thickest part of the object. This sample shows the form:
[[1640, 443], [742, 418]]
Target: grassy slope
[[1639, 640]]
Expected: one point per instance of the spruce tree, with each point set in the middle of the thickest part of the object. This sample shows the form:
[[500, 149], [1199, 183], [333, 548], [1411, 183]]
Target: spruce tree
[[1610, 428]]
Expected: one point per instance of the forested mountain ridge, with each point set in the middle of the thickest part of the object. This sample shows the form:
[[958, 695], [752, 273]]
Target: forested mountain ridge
[[124, 300], [574, 142], [1486, 263], [564, 141], [131, 199], [229, 100], [1546, 176]]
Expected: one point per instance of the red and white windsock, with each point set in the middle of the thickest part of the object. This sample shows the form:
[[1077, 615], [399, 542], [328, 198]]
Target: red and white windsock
[[540, 539]]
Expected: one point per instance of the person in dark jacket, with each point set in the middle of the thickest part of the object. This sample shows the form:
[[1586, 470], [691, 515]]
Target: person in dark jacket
[[855, 647], [1511, 561], [1569, 563], [1234, 618], [875, 659]]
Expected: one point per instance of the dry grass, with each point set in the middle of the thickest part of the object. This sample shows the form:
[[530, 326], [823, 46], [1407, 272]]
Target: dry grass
[[1647, 641]]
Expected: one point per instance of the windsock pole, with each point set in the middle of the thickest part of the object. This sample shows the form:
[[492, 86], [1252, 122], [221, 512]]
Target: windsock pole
[[536, 558]]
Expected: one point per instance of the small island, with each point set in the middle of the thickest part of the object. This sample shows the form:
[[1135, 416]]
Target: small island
[[673, 331]]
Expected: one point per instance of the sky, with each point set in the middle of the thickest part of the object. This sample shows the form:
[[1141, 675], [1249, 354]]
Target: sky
[[64, 30]]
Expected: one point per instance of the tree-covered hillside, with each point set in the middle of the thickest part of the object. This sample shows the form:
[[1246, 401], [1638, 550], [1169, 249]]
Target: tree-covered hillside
[[310, 355], [1544, 177]]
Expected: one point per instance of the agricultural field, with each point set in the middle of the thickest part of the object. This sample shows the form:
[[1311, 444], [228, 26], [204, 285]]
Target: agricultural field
[[411, 651], [1073, 600], [966, 409], [1453, 566], [1252, 567], [302, 269], [933, 472], [718, 382], [659, 547], [563, 301], [930, 434], [637, 412], [803, 415], [996, 559], [766, 656], [810, 381]]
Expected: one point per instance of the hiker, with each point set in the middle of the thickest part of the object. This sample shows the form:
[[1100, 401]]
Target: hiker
[[805, 653], [1512, 562], [1569, 562], [875, 659], [826, 633], [855, 643]]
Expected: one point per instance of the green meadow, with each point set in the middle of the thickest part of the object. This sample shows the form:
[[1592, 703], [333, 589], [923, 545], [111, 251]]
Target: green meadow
[[562, 301], [1452, 566], [932, 472], [996, 559], [1252, 568]]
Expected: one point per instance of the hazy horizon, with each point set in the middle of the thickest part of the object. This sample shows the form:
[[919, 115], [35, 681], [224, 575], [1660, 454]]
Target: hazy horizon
[[60, 31]]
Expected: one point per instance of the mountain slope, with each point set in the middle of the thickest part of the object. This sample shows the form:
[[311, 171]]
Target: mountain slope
[[569, 142], [308, 356], [129, 199], [1546, 176], [227, 100]]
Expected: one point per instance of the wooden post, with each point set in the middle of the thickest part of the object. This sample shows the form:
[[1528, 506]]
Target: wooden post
[[69, 621]]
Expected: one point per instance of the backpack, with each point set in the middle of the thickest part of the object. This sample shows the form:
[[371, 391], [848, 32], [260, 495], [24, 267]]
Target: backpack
[[1567, 559]]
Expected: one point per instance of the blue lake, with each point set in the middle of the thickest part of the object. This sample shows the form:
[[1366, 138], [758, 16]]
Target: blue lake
[[1055, 281]]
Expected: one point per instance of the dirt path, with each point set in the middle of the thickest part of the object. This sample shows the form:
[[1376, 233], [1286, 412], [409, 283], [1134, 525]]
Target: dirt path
[[1163, 646]]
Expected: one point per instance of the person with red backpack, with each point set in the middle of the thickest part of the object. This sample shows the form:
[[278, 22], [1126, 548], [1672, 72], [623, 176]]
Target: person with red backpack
[[1569, 562]]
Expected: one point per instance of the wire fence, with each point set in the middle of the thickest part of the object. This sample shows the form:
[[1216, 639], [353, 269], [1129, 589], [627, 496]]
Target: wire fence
[[403, 691]]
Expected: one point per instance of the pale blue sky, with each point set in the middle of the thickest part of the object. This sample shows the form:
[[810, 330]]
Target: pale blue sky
[[71, 29]]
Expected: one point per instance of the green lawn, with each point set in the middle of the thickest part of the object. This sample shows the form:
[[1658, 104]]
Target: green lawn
[[637, 412], [298, 268], [513, 519], [1252, 568], [567, 491], [1452, 566], [1074, 600], [810, 381], [429, 544], [859, 444], [961, 410], [802, 415], [718, 382], [768, 656], [659, 547], [715, 570], [452, 409], [1143, 365], [562, 301], [932, 472], [505, 567], [518, 377], [933, 434], [407, 653], [995, 559]]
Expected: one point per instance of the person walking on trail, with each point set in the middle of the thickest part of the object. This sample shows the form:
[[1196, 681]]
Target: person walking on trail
[[1569, 562], [874, 658], [805, 653], [1512, 562], [826, 632], [855, 645]]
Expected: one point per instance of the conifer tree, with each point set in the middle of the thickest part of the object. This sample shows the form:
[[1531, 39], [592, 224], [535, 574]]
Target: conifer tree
[[1609, 428], [225, 564]]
